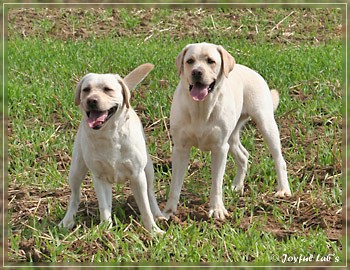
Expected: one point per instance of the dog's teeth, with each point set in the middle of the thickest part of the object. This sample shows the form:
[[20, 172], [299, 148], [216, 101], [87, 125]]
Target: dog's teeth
[[211, 87]]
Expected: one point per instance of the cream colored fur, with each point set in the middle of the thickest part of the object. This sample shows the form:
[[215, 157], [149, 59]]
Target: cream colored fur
[[213, 100], [113, 148]]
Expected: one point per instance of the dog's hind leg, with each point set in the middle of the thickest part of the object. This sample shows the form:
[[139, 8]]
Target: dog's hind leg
[[268, 127], [138, 185], [77, 174], [150, 191], [240, 154]]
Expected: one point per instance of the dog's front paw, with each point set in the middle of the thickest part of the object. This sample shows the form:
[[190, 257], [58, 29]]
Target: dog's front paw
[[69, 224], [218, 212], [238, 188], [283, 193], [167, 215], [168, 212], [106, 224], [157, 231], [161, 218]]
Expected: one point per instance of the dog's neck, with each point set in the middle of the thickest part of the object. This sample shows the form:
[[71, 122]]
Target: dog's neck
[[203, 110]]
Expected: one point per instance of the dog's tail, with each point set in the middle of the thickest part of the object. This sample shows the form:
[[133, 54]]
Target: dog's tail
[[137, 75], [275, 98]]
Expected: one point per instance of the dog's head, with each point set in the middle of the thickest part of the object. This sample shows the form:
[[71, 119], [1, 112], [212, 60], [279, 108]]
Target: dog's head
[[202, 66], [100, 96]]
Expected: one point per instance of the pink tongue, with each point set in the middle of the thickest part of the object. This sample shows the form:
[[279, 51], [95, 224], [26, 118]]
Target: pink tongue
[[96, 118], [199, 91]]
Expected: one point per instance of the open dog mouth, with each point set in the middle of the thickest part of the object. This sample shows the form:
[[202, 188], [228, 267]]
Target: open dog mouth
[[199, 91], [96, 119]]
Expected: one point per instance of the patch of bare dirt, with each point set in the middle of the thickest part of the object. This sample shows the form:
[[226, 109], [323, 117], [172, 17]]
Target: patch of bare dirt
[[303, 210], [78, 23]]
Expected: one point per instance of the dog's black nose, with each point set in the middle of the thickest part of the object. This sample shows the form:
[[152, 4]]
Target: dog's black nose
[[197, 74], [92, 103]]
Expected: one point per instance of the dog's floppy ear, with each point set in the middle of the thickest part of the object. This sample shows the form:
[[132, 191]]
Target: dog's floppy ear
[[228, 61], [78, 90], [180, 60], [77, 94], [126, 92], [137, 75]]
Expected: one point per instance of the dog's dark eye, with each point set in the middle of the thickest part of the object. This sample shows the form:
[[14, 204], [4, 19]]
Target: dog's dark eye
[[190, 61], [210, 61], [86, 89], [107, 89]]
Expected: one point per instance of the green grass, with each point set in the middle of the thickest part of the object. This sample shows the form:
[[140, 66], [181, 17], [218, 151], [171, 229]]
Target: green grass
[[42, 74]]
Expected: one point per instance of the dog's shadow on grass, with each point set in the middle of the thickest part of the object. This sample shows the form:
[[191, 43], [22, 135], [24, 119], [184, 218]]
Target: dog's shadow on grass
[[125, 209]]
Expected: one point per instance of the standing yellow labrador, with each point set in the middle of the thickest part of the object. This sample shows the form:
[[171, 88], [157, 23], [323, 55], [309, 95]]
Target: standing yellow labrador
[[111, 144], [213, 100]]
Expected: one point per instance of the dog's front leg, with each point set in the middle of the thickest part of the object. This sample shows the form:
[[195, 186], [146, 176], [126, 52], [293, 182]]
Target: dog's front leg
[[219, 157], [180, 159], [104, 196], [77, 174], [139, 188]]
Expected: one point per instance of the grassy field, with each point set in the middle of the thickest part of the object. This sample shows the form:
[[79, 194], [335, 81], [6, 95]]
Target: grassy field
[[298, 51]]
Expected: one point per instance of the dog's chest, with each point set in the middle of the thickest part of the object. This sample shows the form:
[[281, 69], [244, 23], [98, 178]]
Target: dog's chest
[[203, 137], [112, 172], [112, 163], [203, 128]]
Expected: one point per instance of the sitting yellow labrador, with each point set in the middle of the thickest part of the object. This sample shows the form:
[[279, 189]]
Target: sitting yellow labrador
[[213, 100], [111, 144]]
